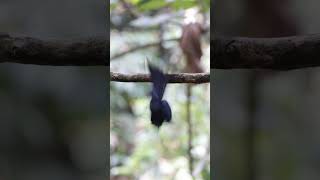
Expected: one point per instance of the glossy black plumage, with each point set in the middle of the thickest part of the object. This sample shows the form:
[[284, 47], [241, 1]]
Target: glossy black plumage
[[160, 109]]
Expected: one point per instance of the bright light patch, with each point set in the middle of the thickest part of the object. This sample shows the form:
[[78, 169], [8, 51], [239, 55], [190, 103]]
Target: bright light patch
[[190, 15]]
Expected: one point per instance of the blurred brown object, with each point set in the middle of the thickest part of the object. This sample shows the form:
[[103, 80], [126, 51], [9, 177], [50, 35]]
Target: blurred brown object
[[190, 44], [267, 19], [270, 18]]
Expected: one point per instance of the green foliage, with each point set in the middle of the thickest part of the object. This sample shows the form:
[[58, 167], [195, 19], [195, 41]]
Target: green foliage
[[183, 4], [149, 5], [140, 150], [206, 174]]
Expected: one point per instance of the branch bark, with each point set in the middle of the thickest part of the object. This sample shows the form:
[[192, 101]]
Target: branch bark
[[26, 50], [228, 53], [284, 53], [172, 78]]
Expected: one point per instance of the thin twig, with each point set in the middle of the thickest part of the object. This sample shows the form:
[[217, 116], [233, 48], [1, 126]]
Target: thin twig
[[195, 78], [149, 45], [189, 125]]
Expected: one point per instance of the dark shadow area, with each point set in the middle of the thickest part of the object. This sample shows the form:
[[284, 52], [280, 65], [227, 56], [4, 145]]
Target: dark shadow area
[[53, 119], [265, 122]]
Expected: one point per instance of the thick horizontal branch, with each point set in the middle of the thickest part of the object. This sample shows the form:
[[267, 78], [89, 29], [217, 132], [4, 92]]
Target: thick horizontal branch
[[172, 78], [228, 53], [266, 53], [28, 50]]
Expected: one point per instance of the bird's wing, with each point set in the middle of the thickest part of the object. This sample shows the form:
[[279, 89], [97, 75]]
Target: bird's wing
[[159, 81]]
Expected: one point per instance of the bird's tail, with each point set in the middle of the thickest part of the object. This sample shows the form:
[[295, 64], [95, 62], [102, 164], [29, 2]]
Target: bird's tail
[[166, 111]]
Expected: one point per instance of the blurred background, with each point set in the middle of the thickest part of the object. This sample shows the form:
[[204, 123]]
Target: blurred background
[[266, 122], [53, 119], [143, 29]]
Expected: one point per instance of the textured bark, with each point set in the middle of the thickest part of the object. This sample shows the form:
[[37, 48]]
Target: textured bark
[[284, 53], [172, 78], [228, 53], [28, 50]]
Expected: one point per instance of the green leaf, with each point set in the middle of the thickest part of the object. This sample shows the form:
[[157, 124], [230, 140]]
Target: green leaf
[[135, 2], [147, 5], [183, 4]]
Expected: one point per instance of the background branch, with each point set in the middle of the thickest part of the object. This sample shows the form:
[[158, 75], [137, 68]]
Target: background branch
[[268, 53], [141, 47], [28, 50], [172, 78], [190, 130]]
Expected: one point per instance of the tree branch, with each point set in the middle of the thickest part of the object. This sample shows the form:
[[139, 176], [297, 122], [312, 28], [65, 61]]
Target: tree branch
[[228, 53], [26, 50], [266, 53], [172, 78], [190, 130]]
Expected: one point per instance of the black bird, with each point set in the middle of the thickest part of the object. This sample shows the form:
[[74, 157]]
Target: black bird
[[160, 109]]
